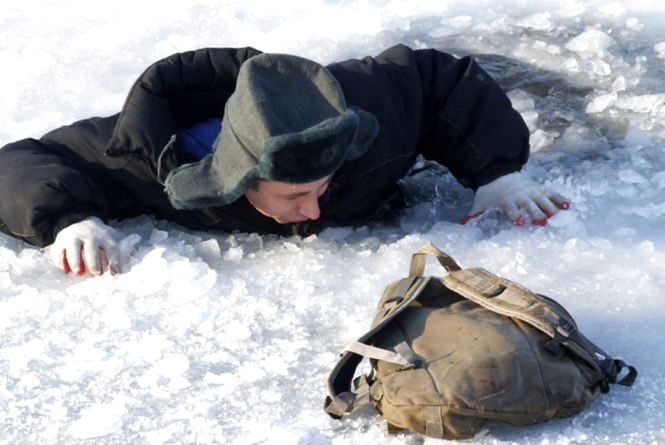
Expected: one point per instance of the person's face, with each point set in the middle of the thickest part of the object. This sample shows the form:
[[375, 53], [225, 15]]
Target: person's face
[[288, 203]]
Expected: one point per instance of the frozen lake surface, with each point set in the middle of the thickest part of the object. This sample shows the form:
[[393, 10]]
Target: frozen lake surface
[[217, 338]]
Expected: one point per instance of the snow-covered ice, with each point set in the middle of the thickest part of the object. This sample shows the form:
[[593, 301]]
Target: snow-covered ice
[[218, 338]]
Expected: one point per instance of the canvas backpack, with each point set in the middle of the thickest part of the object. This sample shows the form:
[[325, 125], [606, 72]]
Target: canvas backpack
[[450, 353]]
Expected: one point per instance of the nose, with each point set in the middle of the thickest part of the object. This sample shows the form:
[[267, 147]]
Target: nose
[[309, 207]]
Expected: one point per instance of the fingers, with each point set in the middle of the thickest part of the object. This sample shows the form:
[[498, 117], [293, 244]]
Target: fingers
[[546, 207], [113, 260], [538, 209], [59, 258], [466, 218], [542, 208], [513, 211], [560, 201], [86, 246], [90, 258], [95, 258], [519, 221], [72, 258], [68, 258], [73, 262], [99, 259], [64, 265]]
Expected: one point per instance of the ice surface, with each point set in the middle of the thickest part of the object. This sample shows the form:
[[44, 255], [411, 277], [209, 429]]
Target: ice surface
[[229, 338]]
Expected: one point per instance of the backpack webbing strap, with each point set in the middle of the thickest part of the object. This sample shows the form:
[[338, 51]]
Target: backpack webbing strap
[[506, 298], [401, 356], [434, 422], [512, 300], [584, 348], [341, 396], [419, 258]]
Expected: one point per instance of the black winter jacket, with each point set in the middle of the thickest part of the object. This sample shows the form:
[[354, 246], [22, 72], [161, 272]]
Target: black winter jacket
[[427, 102]]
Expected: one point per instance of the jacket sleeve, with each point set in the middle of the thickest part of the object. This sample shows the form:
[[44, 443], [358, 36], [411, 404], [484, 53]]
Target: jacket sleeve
[[447, 109], [106, 166], [44, 191], [469, 124]]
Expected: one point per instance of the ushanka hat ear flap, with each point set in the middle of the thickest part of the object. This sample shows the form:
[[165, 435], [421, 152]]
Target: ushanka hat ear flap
[[286, 121]]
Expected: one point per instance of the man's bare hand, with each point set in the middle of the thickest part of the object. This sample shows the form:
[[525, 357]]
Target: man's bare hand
[[519, 198], [86, 246]]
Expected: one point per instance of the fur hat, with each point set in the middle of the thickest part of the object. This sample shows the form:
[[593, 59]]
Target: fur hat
[[287, 121]]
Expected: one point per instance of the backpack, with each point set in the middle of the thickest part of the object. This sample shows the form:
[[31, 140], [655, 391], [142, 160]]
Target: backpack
[[450, 353]]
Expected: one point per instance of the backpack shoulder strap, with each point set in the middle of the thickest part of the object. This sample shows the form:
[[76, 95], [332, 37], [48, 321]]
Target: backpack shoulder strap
[[341, 396], [419, 258], [507, 298]]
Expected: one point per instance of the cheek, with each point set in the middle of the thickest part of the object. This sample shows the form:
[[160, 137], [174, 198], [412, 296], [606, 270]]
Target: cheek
[[281, 207], [289, 206]]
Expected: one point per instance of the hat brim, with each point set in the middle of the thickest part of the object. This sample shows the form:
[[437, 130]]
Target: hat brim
[[223, 176]]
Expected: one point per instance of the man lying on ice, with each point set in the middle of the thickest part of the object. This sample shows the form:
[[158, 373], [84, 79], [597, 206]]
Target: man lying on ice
[[223, 139]]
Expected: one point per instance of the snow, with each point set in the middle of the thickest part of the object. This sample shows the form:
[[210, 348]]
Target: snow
[[218, 338]]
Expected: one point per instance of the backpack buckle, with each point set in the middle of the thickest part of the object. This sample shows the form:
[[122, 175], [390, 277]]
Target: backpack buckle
[[561, 333]]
